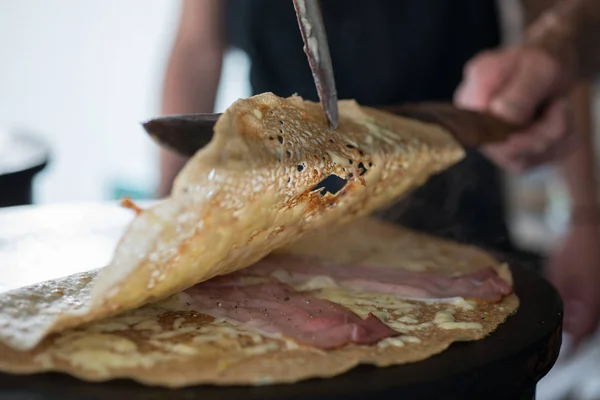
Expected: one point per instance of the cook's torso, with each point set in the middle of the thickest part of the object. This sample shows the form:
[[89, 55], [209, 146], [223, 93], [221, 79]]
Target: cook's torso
[[389, 52]]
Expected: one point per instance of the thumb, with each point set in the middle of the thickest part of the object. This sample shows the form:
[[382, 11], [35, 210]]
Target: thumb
[[483, 76], [531, 82]]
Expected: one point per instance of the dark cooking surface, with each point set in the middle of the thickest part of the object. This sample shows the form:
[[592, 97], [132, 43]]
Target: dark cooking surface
[[21, 157], [505, 365]]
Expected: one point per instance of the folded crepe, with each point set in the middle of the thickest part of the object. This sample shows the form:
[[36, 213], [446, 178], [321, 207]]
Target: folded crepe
[[279, 192]]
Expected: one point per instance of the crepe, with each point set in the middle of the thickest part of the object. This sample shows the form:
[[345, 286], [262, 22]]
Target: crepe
[[263, 181], [170, 344], [273, 182]]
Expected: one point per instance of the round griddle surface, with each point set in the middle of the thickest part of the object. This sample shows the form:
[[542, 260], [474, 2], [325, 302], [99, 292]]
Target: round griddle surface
[[507, 364]]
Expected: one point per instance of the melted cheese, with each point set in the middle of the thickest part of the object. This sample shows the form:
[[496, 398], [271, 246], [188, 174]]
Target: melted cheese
[[443, 317], [395, 312], [316, 283], [401, 327], [102, 362], [390, 342], [455, 301], [399, 341], [391, 310], [445, 320], [460, 325], [261, 349], [408, 319], [149, 324], [179, 348], [358, 301], [410, 339]]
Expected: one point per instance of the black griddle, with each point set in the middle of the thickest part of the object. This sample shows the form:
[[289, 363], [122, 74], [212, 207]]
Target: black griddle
[[506, 365]]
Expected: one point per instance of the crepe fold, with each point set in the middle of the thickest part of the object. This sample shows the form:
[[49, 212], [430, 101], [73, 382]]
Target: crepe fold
[[271, 174], [168, 343]]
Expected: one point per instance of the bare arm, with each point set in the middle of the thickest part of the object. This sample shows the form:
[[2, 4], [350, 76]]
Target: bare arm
[[579, 166], [193, 72], [574, 264], [569, 30]]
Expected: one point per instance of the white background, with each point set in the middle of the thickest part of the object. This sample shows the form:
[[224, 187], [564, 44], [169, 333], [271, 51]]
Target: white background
[[82, 75]]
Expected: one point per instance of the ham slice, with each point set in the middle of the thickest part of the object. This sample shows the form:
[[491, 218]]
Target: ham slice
[[270, 305], [275, 308], [295, 270]]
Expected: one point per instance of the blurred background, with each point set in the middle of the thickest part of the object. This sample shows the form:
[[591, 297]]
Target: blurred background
[[80, 75]]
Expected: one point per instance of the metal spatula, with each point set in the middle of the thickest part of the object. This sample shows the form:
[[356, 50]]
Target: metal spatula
[[312, 28]]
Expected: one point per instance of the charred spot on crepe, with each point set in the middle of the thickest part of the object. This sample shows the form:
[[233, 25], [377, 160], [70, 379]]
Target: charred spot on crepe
[[363, 170], [332, 184]]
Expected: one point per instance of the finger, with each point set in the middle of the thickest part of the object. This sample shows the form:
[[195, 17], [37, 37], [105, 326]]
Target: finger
[[518, 162], [482, 78], [540, 135], [553, 153], [533, 79], [547, 140], [543, 135], [544, 141]]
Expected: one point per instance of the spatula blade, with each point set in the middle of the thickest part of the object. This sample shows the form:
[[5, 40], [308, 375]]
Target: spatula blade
[[316, 47], [186, 134], [183, 134]]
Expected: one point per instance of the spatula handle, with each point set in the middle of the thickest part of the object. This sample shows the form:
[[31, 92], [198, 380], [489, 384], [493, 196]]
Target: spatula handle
[[470, 128]]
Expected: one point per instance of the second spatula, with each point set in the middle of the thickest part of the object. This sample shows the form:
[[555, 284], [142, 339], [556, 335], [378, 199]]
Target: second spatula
[[186, 134]]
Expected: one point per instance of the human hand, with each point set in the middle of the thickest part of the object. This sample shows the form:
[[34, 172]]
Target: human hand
[[574, 269], [514, 84]]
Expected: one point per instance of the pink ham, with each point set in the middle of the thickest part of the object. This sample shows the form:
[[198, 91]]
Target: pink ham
[[273, 307], [276, 308], [483, 285]]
